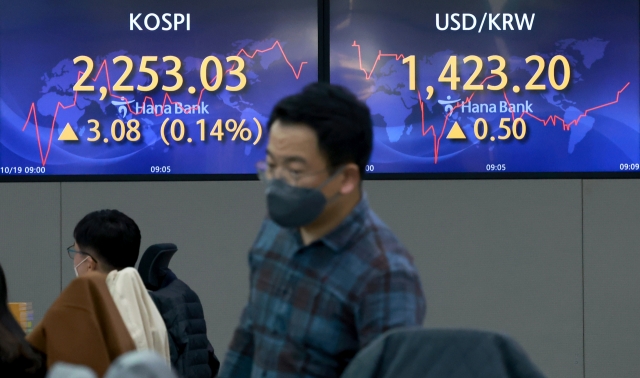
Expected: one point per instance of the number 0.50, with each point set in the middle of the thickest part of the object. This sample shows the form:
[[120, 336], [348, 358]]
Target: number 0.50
[[518, 129]]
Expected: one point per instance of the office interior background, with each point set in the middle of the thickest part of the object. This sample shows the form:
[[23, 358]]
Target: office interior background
[[552, 263]]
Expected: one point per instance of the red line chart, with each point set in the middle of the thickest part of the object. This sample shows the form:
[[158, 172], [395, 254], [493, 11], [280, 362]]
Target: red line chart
[[166, 99], [437, 137]]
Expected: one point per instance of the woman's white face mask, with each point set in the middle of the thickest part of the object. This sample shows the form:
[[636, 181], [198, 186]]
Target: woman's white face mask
[[75, 268]]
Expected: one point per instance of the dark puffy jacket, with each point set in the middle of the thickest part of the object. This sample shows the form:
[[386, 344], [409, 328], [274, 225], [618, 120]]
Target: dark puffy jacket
[[191, 352]]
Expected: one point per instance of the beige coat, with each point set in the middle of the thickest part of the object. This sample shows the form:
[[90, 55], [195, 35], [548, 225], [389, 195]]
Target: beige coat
[[140, 315]]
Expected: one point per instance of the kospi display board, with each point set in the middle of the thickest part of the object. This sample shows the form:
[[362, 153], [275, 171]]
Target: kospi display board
[[165, 90], [147, 87], [474, 87]]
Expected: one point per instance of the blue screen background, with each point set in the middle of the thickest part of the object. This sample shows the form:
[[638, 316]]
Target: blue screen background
[[599, 38], [40, 39]]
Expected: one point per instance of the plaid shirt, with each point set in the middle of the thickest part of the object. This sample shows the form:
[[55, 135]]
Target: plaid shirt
[[311, 308]]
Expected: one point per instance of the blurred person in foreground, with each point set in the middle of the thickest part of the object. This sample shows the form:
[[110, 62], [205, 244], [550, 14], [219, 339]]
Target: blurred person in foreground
[[327, 275], [145, 364], [136, 364], [17, 358], [65, 370]]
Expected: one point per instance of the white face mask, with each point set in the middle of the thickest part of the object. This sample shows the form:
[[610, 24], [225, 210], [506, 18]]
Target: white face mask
[[75, 268]]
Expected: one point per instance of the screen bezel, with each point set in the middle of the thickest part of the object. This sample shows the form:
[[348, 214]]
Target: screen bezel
[[323, 10]]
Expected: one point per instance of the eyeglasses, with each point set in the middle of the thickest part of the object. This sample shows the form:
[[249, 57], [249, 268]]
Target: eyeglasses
[[268, 172], [72, 252]]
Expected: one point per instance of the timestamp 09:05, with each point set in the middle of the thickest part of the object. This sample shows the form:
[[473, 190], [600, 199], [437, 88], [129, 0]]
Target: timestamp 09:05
[[161, 169], [496, 167]]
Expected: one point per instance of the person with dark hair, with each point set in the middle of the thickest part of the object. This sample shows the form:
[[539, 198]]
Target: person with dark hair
[[106, 240], [17, 357], [327, 275]]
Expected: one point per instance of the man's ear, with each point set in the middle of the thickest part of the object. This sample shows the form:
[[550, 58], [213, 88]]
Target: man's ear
[[92, 265], [350, 179]]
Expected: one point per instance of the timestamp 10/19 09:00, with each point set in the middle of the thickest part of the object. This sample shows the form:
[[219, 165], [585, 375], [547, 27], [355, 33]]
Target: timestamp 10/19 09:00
[[22, 170]]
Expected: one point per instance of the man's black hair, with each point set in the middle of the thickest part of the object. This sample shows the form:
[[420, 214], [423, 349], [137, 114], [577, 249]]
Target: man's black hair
[[113, 235], [341, 122]]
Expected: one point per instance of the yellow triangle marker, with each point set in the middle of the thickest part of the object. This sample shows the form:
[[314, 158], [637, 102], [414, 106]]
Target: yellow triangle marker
[[68, 134], [456, 132]]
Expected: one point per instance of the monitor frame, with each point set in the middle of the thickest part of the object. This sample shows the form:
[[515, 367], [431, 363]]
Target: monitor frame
[[324, 17]]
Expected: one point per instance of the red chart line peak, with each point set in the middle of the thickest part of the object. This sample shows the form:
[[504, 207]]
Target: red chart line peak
[[553, 119], [167, 98]]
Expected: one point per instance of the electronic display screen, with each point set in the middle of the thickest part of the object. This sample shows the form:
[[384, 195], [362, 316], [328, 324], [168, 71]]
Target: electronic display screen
[[501, 86], [147, 87]]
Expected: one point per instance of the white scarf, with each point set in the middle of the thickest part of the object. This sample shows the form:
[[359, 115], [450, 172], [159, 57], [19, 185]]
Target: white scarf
[[140, 315]]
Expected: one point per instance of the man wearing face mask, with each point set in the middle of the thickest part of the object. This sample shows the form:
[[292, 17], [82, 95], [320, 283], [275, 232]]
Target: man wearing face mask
[[105, 240], [107, 297], [84, 325], [327, 275], [108, 241]]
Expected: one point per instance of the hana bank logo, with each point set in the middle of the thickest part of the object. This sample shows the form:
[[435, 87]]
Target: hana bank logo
[[122, 107], [448, 104]]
